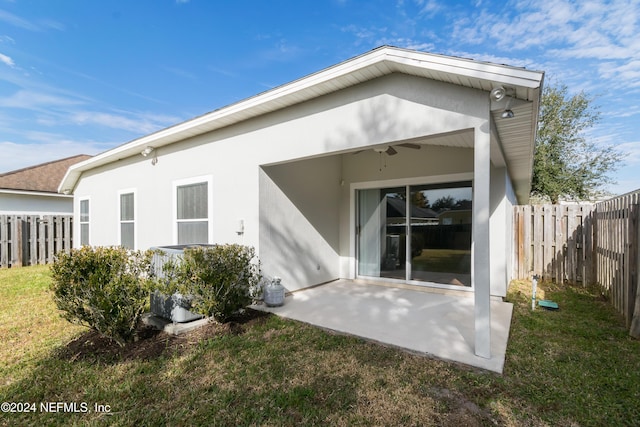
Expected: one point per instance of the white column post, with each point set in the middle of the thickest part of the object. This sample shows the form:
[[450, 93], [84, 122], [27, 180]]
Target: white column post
[[481, 273]]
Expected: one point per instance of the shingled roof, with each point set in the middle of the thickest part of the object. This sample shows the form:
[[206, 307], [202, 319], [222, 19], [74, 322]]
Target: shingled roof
[[44, 177]]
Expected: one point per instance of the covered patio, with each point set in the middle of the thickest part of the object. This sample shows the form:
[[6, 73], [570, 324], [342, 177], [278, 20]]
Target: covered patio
[[436, 323]]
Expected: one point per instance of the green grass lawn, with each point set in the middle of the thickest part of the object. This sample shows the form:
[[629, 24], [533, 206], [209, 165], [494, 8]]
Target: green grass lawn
[[575, 366], [443, 260]]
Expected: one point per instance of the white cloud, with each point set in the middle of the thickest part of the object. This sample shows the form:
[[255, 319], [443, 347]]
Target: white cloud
[[16, 21], [222, 71], [495, 59], [30, 99], [628, 72], [631, 152], [39, 25], [17, 156], [364, 34], [428, 7], [181, 73], [7, 60], [132, 122], [406, 43], [588, 42]]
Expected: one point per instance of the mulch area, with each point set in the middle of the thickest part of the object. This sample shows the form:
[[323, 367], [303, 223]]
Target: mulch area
[[152, 343]]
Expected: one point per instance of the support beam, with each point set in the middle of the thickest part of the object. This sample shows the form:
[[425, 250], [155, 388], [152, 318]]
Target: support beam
[[481, 273]]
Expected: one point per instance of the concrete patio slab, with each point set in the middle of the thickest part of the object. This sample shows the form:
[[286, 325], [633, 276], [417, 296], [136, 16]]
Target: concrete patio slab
[[439, 324]]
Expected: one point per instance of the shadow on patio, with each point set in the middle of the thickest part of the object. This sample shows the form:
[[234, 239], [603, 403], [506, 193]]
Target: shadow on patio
[[437, 324]]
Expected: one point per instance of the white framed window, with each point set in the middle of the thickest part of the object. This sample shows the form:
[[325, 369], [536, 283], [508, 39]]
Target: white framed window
[[84, 221], [127, 218], [192, 210]]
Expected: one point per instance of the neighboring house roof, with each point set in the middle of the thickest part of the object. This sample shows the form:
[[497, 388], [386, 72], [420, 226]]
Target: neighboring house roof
[[42, 178], [398, 208], [516, 135]]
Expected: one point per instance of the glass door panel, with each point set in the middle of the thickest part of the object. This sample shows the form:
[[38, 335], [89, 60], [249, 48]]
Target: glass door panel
[[382, 225], [441, 233]]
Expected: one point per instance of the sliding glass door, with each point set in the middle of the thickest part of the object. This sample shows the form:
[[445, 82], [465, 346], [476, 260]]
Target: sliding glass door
[[382, 226], [417, 233]]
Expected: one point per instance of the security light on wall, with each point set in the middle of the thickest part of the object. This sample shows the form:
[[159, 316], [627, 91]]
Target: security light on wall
[[508, 113], [498, 93], [147, 151]]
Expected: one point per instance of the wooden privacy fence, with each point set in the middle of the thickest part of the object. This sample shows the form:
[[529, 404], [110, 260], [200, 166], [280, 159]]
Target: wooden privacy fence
[[554, 242], [33, 239], [616, 255], [584, 244]]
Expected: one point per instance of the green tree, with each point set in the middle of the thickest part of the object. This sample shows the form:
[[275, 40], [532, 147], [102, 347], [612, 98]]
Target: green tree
[[445, 202], [566, 162], [419, 199]]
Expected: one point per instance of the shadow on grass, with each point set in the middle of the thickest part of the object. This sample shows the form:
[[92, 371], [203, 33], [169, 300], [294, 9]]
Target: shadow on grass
[[264, 370], [576, 363], [575, 366], [237, 373]]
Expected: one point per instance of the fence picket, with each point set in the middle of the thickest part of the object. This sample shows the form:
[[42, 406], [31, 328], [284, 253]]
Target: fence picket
[[28, 240], [584, 244], [4, 243]]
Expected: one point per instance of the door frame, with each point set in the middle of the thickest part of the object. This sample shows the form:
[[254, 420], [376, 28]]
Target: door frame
[[398, 182]]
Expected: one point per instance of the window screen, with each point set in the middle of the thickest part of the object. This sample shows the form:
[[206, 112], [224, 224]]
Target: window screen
[[127, 221], [192, 213], [84, 222]]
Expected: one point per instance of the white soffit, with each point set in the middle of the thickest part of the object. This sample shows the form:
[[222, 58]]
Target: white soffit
[[376, 63]]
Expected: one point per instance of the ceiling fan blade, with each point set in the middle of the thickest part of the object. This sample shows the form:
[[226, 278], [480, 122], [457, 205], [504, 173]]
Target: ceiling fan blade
[[391, 151], [410, 145]]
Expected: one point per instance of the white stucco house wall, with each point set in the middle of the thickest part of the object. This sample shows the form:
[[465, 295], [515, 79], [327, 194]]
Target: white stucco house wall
[[34, 190], [303, 173]]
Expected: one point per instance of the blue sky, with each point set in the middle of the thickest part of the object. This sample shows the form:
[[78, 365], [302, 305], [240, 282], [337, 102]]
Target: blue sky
[[86, 76]]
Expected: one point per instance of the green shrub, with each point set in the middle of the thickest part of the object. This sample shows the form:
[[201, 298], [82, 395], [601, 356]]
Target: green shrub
[[106, 289], [219, 280]]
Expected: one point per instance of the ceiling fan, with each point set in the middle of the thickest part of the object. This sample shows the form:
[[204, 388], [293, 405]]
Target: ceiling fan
[[389, 150]]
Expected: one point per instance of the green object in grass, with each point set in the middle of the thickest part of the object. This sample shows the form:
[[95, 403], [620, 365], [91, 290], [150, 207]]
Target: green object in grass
[[549, 305]]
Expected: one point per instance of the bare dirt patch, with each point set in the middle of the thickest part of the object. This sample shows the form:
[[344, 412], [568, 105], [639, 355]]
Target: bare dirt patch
[[152, 343]]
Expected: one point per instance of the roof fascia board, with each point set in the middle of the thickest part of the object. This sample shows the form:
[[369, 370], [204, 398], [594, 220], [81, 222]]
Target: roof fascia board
[[465, 67], [33, 193], [470, 68]]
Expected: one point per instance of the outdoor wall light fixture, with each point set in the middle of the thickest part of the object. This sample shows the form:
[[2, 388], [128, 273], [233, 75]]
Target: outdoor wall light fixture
[[147, 151], [498, 94], [508, 113]]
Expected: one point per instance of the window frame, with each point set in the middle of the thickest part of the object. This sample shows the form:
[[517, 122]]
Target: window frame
[[86, 222], [121, 193], [190, 181]]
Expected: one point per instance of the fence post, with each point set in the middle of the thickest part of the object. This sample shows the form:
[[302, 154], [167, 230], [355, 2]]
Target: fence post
[[67, 234], [16, 241], [634, 257], [33, 239], [4, 244], [50, 238], [42, 247]]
